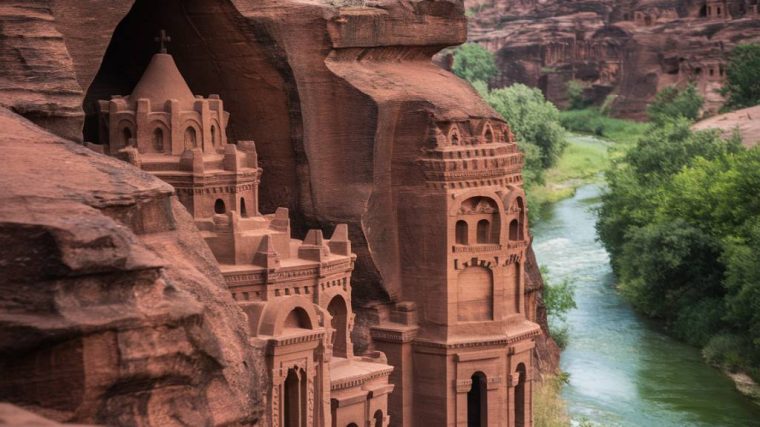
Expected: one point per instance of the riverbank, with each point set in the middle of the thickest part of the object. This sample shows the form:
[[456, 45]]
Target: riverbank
[[623, 370], [594, 140]]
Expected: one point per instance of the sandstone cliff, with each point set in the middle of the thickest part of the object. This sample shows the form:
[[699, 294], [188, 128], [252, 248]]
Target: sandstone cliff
[[627, 50]]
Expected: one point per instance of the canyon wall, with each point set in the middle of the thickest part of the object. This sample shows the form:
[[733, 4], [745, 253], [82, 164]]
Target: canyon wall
[[111, 304], [623, 52]]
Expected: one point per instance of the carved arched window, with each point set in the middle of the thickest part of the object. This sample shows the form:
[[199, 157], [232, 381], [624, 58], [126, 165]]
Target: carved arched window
[[158, 140], [461, 232], [243, 210], [219, 206], [514, 230], [213, 135], [191, 138], [484, 231], [488, 135], [378, 417], [126, 135]]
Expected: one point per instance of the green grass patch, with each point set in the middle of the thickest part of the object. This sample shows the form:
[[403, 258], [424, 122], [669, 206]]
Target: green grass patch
[[591, 121], [582, 162]]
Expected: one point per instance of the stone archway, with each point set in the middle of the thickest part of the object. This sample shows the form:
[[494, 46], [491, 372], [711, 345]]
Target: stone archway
[[339, 312], [477, 401], [520, 397]]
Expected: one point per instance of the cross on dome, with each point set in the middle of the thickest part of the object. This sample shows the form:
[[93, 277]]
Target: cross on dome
[[162, 39]]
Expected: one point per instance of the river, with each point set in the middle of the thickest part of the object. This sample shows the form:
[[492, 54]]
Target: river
[[623, 371]]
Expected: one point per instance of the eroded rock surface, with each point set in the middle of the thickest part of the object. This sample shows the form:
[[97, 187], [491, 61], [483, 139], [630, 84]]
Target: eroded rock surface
[[745, 121], [112, 309]]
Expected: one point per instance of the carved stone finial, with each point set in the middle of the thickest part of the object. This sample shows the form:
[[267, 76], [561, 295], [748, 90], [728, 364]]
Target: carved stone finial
[[162, 39]]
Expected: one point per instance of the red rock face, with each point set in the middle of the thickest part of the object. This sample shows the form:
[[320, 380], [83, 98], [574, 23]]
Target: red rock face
[[112, 309], [625, 50]]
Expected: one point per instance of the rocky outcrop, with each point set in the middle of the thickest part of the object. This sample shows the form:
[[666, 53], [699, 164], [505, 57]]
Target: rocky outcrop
[[745, 121], [622, 52], [112, 308]]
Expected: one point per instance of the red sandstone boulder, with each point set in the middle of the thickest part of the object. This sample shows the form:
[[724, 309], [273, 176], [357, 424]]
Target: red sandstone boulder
[[112, 308]]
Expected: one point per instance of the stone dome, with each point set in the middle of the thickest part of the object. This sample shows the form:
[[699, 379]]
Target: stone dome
[[161, 82]]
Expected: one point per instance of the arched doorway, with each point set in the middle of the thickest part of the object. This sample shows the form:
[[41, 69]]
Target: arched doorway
[[294, 411], [520, 397], [477, 402], [378, 418], [339, 312]]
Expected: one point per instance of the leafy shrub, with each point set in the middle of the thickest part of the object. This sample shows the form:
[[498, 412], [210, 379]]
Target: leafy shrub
[[535, 122], [574, 92], [671, 103], [725, 350], [473, 62], [742, 83]]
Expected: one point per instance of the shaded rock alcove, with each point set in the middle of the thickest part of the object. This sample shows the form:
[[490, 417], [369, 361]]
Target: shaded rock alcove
[[219, 52]]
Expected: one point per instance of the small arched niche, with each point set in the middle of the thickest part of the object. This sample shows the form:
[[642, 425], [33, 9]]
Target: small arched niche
[[157, 142], [191, 138], [219, 207], [243, 209], [296, 319]]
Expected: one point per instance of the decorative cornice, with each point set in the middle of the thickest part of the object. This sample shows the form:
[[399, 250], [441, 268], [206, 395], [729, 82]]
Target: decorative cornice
[[357, 380]]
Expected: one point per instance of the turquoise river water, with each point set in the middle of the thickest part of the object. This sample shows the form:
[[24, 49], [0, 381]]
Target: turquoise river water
[[623, 371]]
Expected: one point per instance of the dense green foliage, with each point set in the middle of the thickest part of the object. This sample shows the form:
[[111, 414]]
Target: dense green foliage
[[535, 122], [575, 95], [681, 221], [473, 63], [592, 121], [742, 83], [672, 103]]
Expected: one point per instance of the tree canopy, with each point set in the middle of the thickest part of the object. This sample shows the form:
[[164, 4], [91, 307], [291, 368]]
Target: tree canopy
[[473, 63], [742, 86]]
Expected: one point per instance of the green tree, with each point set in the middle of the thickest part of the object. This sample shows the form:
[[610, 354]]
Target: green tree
[[671, 103], [574, 92], [742, 86], [535, 122], [473, 63]]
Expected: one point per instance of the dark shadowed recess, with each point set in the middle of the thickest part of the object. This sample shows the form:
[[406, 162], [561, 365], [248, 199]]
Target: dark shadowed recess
[[219, 52]]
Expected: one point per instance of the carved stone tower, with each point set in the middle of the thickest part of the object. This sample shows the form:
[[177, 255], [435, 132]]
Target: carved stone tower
[[460, 342]]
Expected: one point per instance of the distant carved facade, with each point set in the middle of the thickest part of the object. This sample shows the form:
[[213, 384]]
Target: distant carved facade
[[296, 294]]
